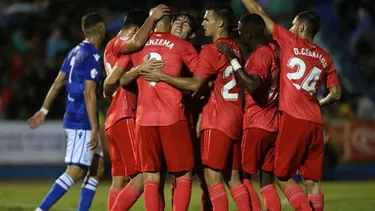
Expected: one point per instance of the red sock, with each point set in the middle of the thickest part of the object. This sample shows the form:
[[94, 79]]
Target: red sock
[[182, 194], [112, 195], [151, 196], [317, 200], [297, 198], [161, 202], [271, 198], [254, 198], [126, 198], [218, 197], [241, 197], [206, 204]]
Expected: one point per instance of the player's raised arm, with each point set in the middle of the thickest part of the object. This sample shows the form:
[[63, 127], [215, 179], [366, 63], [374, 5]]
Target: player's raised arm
[[38, 118], [253, 7], [250, 82], [140, 38]]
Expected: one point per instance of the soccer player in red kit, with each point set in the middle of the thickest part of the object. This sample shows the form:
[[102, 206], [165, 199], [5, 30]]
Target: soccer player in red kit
[[260, 78], [222, 115], [299, 145], [161, 126], [120, 122]]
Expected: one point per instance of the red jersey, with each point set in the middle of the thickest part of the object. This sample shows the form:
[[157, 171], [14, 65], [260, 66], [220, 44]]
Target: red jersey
[[223, 110], [261, 107], [160, 104], [124, 101], [303, 67]]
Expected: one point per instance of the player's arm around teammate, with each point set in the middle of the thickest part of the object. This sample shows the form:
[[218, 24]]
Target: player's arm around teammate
[[120, 76], [140, 38]]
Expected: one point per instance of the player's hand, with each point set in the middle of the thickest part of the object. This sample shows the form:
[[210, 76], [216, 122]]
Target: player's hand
[[94, 139], [225, 50], [158, 12], [149, 64], [36, 120], [152, 74]]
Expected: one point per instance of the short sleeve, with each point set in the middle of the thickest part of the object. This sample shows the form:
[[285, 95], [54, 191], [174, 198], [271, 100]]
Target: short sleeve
[[332, 79], [119, 45], [124, 61], [281, 34], [204, 68], [260, 63], [91, 65], [190, 57]]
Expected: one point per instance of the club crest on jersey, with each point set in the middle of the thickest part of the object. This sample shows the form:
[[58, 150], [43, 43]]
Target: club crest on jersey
[[93, 73]]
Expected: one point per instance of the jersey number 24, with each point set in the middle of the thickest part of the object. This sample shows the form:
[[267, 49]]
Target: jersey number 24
[[309, 81]]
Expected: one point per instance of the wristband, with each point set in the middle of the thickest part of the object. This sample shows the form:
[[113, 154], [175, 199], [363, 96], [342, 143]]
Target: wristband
[[44, 111], [235, 64]]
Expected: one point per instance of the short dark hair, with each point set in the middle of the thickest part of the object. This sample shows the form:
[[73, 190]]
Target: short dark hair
[[192, 21], [225, 13], [312, 20], [254, 24], [134, 18], [89, 22]]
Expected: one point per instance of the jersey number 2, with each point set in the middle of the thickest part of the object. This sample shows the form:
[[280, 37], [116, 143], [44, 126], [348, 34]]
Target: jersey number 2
[[309, 82], [230, 85]]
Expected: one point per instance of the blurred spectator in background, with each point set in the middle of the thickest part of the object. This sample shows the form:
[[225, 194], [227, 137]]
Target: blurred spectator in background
[[36, 34], [55, 44]]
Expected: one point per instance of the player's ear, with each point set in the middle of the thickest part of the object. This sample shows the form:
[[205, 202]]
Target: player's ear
[[302, 28], [220, 23], [102, 28]]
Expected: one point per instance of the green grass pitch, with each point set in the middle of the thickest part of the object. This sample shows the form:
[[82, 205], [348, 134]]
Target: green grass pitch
[[23, 196]]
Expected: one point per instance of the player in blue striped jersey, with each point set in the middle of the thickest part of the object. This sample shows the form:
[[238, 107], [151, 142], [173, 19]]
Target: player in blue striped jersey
[[80, 73]]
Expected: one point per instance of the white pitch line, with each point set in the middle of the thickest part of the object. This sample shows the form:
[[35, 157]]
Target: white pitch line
[[32, 206]]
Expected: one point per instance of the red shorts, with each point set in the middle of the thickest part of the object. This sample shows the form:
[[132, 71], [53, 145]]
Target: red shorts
[[218, 151], [299, 146], [173, 142], [258, 148], [122, 147]]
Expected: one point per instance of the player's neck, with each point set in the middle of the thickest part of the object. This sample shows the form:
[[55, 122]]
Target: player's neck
[[162, 29], [126, 33], [254, 44], [222, 34], [95, 41], [307, 37]]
